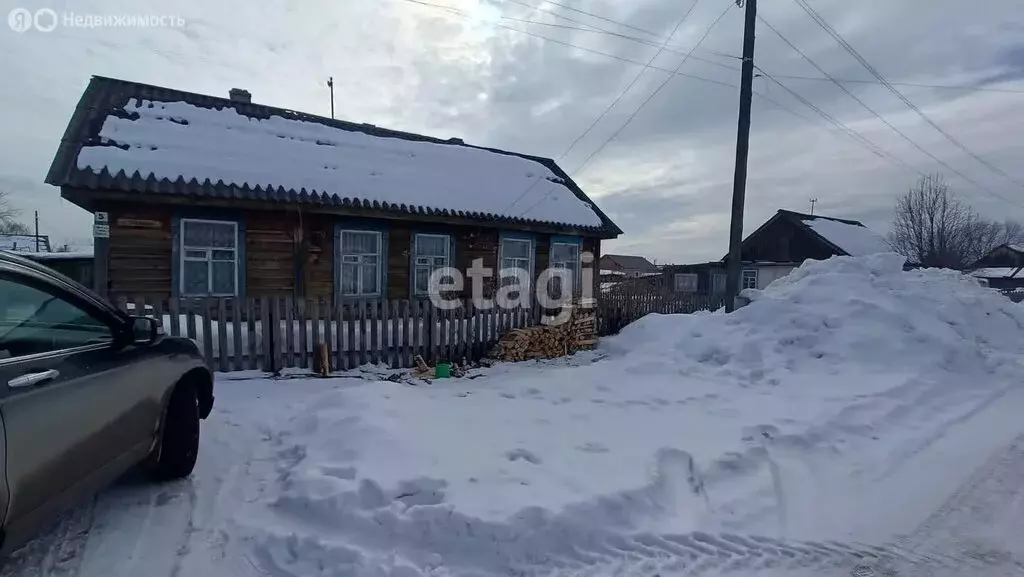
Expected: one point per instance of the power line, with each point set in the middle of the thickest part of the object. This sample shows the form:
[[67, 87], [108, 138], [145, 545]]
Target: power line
[[872, 111], [602, 18], [908, 84], [655, 93], [846, 46], [633, 82], [639, 108], [614, 102]]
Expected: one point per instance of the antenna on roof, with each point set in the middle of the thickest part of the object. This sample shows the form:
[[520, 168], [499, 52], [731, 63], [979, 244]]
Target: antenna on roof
[[330, 84], [813, 202]]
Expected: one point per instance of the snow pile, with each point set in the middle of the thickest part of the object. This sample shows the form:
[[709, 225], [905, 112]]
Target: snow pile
[[855, 239], [795, 416], [175, 139], [829, 315]]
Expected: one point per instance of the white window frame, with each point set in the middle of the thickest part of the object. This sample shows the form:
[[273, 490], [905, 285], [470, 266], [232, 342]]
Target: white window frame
[[359, 269], [688, 275], [529, 259], [415, 256], [208, 259], [749, 273], [556, 263]]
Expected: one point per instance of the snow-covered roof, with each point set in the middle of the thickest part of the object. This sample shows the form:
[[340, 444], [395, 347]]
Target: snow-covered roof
[[999, 272], [23, 242], [159, 140], [66, 255], [852, 237]]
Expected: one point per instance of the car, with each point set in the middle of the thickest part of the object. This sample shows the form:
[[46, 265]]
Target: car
[[87, 393]]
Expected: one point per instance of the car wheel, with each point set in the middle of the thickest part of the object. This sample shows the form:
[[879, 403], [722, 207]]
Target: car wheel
[[179, 444]]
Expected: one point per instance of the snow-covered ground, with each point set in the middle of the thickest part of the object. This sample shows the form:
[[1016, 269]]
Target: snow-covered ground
[[853, 419]]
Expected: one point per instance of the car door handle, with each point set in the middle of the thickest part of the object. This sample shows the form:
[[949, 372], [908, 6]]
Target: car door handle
[[33, 379]]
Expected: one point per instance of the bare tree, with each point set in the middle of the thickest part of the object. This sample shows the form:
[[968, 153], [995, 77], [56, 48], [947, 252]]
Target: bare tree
[[9, 217], [933, 228]]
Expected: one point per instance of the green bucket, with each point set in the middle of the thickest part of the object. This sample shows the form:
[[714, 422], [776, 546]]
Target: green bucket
[[443, 371]]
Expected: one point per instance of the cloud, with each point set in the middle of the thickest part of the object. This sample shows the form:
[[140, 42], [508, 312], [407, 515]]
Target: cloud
[[666, 178]]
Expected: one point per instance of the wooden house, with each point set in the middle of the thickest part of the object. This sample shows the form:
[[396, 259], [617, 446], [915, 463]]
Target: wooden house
[[775, 248], [1002, 268], [197, 195]]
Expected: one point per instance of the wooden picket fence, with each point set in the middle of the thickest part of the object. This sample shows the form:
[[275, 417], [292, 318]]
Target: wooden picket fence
[[270, 333]]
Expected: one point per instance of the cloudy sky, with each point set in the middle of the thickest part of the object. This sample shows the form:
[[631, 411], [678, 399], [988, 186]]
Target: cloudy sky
[[530, 76]]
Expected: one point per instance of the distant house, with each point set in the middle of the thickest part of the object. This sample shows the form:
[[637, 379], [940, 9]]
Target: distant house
[[76, 265], [25, 242], [629, 266], [1002, 268], [208, 196], [778, 246]]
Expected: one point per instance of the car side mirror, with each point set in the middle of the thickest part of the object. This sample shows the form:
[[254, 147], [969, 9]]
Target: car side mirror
[[145, 330]]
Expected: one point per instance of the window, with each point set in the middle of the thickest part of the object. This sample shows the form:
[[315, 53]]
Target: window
[[209, 258], [564, 255], [718, 283], [516, 253], [360, 253], [33, 321], [430, 252], [749, 279], [686, 283]]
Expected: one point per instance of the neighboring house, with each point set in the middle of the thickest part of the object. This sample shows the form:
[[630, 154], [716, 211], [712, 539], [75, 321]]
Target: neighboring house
[[1002, 268], [25, 243], [778, 246], [629, 266], [224, 197], [76, 265]]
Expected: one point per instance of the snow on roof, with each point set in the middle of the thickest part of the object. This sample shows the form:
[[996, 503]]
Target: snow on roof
[[854, 239], [177, 139], [1016, 247], [998, 272], [23, 242], [66, 255]]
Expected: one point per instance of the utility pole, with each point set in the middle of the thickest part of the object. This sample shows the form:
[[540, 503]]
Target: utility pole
[[813, 202], [37, 231], [739, 182], [330, 84]]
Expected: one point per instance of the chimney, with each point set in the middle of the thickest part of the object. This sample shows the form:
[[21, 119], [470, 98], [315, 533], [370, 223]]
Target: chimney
[[239, 95]]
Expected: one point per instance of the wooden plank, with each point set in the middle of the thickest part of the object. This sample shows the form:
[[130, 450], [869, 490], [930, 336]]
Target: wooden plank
[[314, 335], [407, 333], [363, 357], [442, 333], [300, 317], [289, 333], [339, 331], [374, 330], [190, 319], [276, 352], [351, 316], [207, 307], [266, 335], [175, 317], [222, 335], [396, 355], [238, 355], [430, 332], [250, 325], [385, 325], [332, 348]]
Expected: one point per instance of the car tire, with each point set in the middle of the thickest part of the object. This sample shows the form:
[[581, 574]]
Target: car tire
[[179, 442]]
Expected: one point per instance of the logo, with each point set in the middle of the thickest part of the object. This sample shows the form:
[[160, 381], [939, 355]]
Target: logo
[[20, 20], [45, 20]]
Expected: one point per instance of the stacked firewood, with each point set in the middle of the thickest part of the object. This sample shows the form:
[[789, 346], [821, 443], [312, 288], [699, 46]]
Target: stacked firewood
[[548, 341]]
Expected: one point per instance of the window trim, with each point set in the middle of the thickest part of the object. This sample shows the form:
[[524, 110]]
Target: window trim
[[569, 241], [532, 254], [744, 276], [690, 275], [183, 257], [449, 258], [381, 262]]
